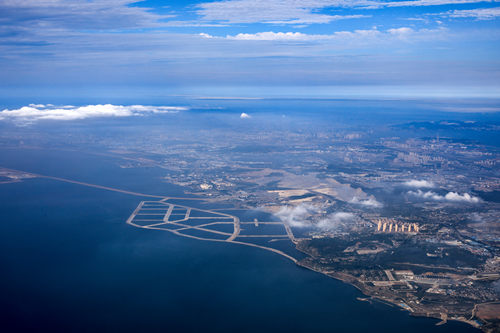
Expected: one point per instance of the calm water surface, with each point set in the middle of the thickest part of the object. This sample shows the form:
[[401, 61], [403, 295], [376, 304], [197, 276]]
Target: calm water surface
[[69, 263]]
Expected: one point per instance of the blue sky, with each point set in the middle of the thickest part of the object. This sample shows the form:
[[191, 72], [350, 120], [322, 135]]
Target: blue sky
[[211, 47]]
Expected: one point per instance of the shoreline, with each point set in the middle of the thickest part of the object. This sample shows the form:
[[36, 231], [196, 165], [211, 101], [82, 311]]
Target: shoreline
[[345, 278]]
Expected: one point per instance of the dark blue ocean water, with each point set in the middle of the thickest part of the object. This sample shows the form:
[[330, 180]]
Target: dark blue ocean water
[[69, 263]]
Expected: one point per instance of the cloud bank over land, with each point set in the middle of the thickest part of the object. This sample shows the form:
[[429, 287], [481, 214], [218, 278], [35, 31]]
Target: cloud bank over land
[[334, 220], [419, 183], [36, 112], [369, 202], [298, 216], [450, 196]]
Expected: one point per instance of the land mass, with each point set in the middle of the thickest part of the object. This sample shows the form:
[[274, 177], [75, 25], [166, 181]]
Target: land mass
[[446, 276]]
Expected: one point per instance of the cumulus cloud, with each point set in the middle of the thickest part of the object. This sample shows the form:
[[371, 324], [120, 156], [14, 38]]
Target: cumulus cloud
[[402, 33], [419, 183], [205, 35], [270, 35], [297, 216], [332, 221], [454, 196], [244, 115], [450, 196], [369, 202], [36, 112], [342, 36]]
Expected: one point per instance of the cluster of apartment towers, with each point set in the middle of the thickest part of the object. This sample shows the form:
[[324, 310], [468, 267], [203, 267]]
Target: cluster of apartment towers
[[390, 225]]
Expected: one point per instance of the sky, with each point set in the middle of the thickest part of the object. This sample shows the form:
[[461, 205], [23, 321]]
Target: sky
[[238, 47]]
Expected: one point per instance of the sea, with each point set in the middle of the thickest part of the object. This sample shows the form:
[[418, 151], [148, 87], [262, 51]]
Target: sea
[[70, 263]]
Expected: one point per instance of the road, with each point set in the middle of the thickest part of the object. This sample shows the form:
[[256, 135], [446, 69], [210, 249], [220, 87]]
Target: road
[[165, 219]]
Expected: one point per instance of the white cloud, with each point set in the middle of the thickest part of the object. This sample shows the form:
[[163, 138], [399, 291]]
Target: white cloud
[[297, 216], [269, 11], [370, 35], [77, 14], [400, 31], [450, 196], [425, 3], [426, 195], [478, 13], [37, 105], [299, 12], [245, 116], [204, 35], [419, 183], [332, 221], [370, 202], [35, 112], [453, 196], [270, 35], [321, 19], [292, 36]]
